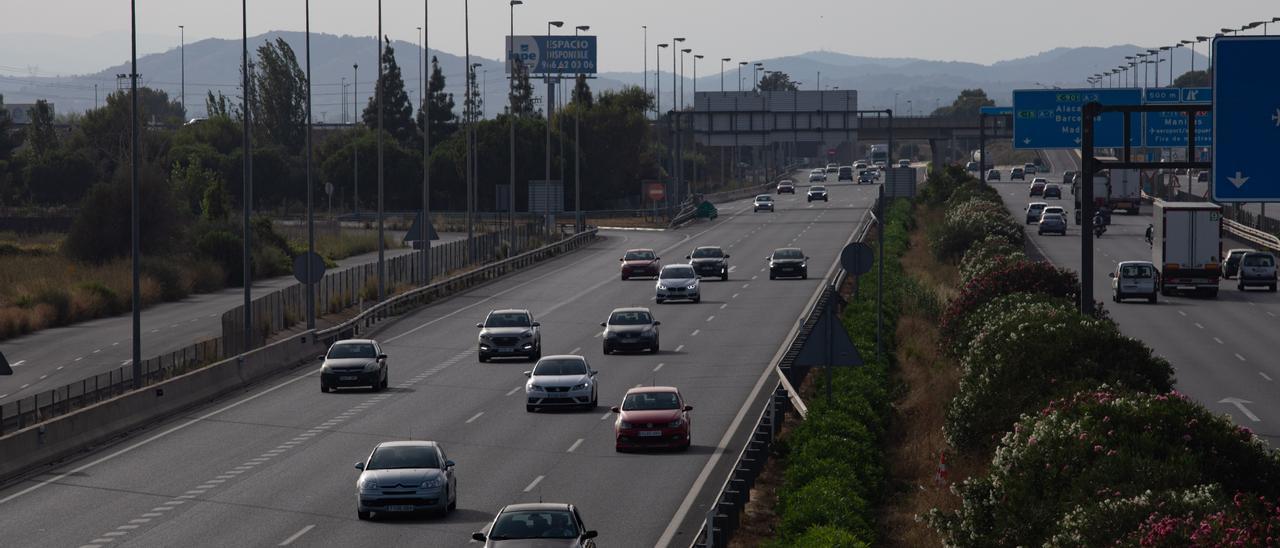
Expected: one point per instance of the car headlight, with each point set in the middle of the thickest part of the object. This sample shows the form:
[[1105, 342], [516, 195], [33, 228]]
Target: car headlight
[[625, 424], [611, 335], [693, 285], [582, 386], [675, 423], [536, 388], [370, 367], [369, 484], [527, 334], [485, 336], [804, 265], [430, 483]]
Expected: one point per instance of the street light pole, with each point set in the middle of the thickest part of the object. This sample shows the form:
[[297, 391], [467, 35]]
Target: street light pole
[[695, 106], [311, 220], [657, 77], [424, 84], [550, 107], [723, 60], [675, 124], [382, 266], [740, 65], [511, 121], [135, 213], [578, 225], [246, 195], [646, 57], [182, 54], [355, 145]]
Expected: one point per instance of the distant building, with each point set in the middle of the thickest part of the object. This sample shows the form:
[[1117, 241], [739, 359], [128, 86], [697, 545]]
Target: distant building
[[20, 113]]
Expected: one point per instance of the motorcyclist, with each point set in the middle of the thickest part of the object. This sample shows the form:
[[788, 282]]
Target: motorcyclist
[[1099, 223], [1150, 233]]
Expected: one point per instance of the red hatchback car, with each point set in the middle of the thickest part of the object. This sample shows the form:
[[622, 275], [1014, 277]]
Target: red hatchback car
[[640, 263], [652, 417]]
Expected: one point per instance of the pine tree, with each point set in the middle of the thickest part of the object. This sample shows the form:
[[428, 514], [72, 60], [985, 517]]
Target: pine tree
[[42, 139], [473, 101], [582, 92], [397, 112], [443, 119]]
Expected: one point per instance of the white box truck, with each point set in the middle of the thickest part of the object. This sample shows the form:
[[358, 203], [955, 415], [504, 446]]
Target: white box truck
[[1187, 246], [1124, 190]]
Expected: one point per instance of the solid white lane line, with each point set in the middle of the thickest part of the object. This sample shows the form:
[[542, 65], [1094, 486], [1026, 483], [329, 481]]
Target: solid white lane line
[[77, 470], [19, 362], [679, 348], [659, 366], [575, 445], [534, 483], [1264, 375], [514, 390], [297, 535], [474, 417]]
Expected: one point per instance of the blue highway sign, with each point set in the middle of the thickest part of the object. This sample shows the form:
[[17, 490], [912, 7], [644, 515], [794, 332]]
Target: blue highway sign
[[995, 111], [554, 54], [1169, 129], [1246, 119], [1051, 118]]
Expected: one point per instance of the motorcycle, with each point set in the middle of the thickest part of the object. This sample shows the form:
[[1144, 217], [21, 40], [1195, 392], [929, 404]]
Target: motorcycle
[[1099, 229]]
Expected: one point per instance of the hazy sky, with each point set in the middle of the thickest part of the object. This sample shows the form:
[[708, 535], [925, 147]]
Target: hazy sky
[[962, 30]]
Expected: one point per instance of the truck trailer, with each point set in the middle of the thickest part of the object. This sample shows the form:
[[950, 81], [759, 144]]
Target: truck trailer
[[1187, 246]]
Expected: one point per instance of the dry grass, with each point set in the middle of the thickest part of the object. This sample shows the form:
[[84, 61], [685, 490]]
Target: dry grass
[[916, 442], [918, 262], [627, 222]]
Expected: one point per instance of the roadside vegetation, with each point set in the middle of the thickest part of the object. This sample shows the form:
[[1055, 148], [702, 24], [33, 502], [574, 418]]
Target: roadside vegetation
[[1058, 430]]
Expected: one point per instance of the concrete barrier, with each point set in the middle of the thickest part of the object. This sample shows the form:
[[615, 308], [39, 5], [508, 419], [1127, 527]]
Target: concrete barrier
[[64, 436]]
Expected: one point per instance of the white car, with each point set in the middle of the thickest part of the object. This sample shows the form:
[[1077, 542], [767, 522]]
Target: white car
[[677, 282], [763, 201], [1133, 279], [560, 381], [817, 176], [1059, 210], [1034, 209], [406, 476]]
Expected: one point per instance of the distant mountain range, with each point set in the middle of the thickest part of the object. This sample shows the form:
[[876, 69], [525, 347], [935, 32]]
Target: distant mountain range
[[917, 85]]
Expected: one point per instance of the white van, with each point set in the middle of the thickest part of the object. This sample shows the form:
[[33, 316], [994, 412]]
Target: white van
[[1134, 279]]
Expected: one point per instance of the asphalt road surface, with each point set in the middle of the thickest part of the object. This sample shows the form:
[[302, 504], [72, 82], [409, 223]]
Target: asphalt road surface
[[273, 466], [50, 358], [1222, 349]]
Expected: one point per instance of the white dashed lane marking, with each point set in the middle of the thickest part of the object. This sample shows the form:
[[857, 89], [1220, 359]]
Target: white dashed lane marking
[[575, 445], [474, 417], [534, 483]]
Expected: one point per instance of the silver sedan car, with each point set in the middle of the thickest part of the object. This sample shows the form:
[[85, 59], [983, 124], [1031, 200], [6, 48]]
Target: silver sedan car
[[406, 476], [560, 381], [677, 281]]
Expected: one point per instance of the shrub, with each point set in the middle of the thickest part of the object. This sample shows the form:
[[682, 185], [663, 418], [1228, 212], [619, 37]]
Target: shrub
[[1034, 277], [58, 300], [1103, 522], [1248, 521], [95, 300], [979, 255], [173, 285], [1029, 354], [828, 537], [226, 250], [970, 325], [975, 190], [969, 222], [1096, 445]]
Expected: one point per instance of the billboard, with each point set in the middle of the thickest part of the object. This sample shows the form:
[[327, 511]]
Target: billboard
[[553, 54]]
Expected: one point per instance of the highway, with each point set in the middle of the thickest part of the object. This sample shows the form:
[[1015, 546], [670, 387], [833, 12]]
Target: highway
[[50, 358], [1222, 349], [273, 466]]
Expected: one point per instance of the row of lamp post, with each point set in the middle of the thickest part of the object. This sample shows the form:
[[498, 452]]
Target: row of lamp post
[[1126, 74]]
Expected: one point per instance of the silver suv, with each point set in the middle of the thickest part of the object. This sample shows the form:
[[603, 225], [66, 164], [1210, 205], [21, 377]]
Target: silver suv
[[510, 333], [1257, 268]]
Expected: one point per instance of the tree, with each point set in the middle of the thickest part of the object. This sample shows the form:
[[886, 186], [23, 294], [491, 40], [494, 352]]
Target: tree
[[190, 181], [216, 203], [966, 105], [397, 112], [7, 144], [474, 103], [581, 92], [521, 96], [1193, 79], [41, 138], [777, 81], [443, 119], [279, 96], [217, 107]]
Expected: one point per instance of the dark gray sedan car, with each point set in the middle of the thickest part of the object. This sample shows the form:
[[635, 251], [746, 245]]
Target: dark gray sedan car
[[540, 525], [630, 329], [788, 262], [1052, 223], [354, 362]]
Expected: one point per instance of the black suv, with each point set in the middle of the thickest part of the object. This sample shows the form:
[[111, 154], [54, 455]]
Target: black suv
[[709, 261], [510, 333]]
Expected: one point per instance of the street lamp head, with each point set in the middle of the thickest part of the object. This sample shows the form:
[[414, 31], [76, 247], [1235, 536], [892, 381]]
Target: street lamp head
[[1185, 42], [678, 39], [725, 59], [743, 63], [1224, 31], [583, 28], [663, 45], [355, 65], [699, 56], [517, 3], [1166, 48], [686, 50], [475, 65], [1254, 24], [1201, 38], [556, 24], [1128, 57], [759, 64]]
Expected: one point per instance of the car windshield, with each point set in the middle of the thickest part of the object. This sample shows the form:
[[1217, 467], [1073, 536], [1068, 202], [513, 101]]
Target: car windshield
[[651, 400], [344, 351], [507, 319], [818, 189], [403, 456], [534, 524], [677, 273], [764, 199], [1051, 217], [560, 367], [631, 317], [1259, 260], [1136, 271], [788, 254], [1035, 207], [640, 256], [707, 253]]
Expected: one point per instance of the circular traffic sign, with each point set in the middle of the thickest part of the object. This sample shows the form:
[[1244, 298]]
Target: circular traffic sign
[[857, 258]]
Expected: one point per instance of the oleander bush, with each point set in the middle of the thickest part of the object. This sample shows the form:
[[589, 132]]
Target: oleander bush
[[1097, 445], [990, 253], [1108, 519], [1249, 520], [1026, 277], [1025, 355], [971, 221]]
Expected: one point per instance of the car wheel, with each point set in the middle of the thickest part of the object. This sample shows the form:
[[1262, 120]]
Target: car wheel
[[1271, 288], [362, 516], [697, 299], [658, 300], [453, 504], [607, 350], [1166, 291], [324, 388], [1115, 297], [483, 358], [772, 276], [804, 275], [386, 380], [530, 408], [624, 277], [1151, 298], [1212, 293], [1239, 287], [724, 277]]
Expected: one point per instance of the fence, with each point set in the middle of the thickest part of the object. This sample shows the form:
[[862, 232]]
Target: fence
[[338, 291], [64, 399], [723, 514]]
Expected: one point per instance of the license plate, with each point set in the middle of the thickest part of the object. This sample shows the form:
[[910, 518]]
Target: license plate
[[628, 340], [505, 350], [650, 433], [400, 508], [349, 378]]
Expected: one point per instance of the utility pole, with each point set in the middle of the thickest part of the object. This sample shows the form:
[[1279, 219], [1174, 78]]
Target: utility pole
[[578, 225], [723, 60], [546, 76], [675, 126], [646, 57]]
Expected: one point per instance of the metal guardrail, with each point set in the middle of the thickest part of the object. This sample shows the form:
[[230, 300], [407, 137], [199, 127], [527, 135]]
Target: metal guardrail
[[1252, 235], [723, 516], [423, 295]]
